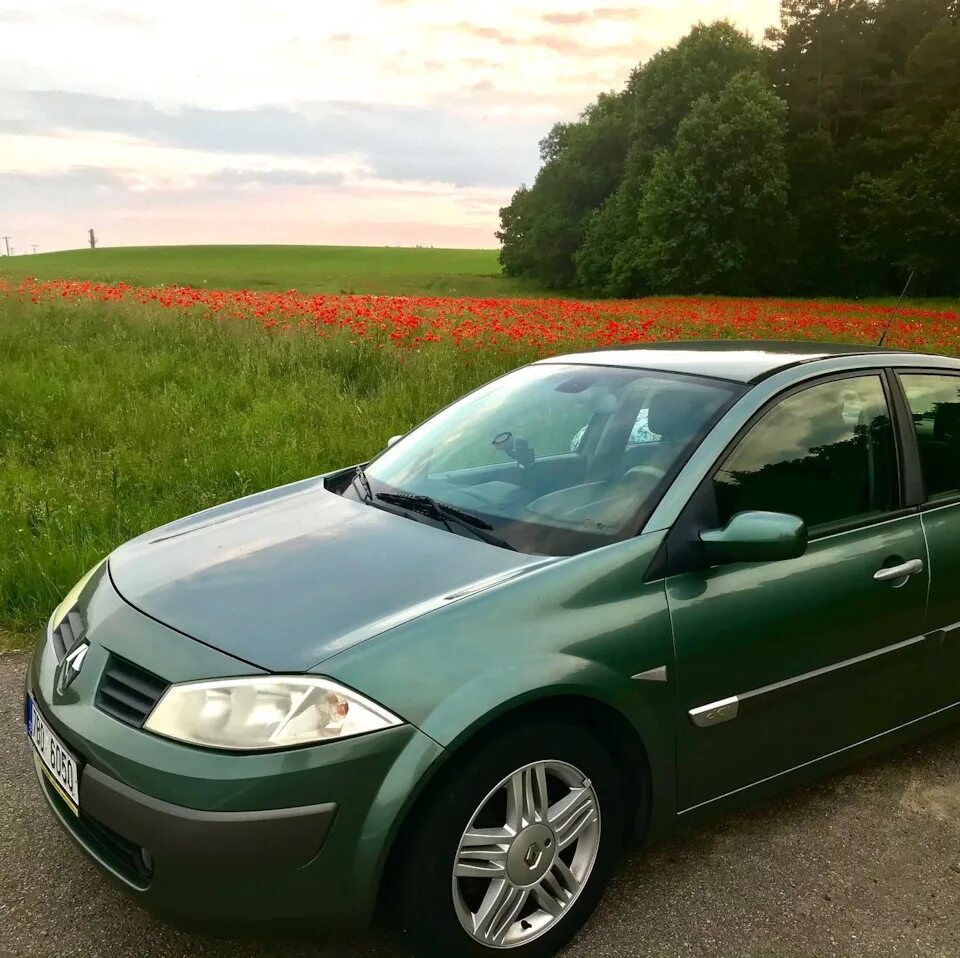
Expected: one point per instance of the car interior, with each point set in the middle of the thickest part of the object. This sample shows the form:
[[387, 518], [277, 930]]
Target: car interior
[[605, 480]]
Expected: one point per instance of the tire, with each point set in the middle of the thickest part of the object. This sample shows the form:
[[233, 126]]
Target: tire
[[528, 894]]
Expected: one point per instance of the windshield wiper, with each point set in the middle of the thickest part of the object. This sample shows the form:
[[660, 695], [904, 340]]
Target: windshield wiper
[[446, 514], [360, 475]]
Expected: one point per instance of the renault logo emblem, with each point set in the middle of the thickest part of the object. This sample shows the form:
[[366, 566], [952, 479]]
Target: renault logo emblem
[[71, 665]]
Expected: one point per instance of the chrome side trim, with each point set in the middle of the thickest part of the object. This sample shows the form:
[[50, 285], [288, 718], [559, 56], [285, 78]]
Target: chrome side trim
[[658, 674], [869, 525], [828, 669], [703, 716], [821, 758], [929, 507]]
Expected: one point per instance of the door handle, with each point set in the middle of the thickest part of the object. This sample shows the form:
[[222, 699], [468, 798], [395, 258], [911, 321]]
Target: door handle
[[913, 567]]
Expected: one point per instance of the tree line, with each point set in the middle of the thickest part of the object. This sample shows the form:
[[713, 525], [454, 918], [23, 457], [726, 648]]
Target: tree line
[[824, 160]]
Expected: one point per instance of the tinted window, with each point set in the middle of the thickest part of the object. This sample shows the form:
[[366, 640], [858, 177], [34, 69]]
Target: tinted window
[[826, 454], [935, 405]]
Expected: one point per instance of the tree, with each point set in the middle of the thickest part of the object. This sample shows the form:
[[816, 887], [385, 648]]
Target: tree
[[910, 220], [816, 194], [715, 206], [542, 227], [621, 203], [660, 93], [926, 93], [824, 62], [702, 63]]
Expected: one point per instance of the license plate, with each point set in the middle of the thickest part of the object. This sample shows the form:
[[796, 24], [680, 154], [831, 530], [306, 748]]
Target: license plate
[[59, 764]]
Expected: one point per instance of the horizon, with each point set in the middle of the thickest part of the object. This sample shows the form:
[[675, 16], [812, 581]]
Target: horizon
[[391, 123]]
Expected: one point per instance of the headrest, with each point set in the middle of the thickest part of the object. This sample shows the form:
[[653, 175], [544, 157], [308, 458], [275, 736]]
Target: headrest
[[675, 412]]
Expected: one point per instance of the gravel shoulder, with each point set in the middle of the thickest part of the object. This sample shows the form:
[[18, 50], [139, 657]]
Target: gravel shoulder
[[864, 863]]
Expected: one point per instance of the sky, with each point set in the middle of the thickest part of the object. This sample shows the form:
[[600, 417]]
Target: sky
[[373, 122]]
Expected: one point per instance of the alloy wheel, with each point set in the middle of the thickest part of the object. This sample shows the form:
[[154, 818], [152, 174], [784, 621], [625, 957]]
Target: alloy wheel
[[526, 854]]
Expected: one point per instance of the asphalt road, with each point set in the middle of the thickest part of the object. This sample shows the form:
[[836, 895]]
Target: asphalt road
[[867, 862]]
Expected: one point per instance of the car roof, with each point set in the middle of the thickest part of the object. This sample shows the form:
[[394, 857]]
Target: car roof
[[744, 361]]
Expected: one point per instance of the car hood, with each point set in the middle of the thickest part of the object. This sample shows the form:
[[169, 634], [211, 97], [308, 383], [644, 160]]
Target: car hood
[[286, 579]]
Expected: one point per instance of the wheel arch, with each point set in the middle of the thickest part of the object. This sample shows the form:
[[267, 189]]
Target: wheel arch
[[607, 722]]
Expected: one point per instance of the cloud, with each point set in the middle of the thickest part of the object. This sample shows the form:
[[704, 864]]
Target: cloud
[[96, 16], [558, 43], [241, 178], [109, 16], [397, 142], [560, 18], [56, 210]]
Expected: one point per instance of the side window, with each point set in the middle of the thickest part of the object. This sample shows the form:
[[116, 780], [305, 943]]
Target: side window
[[935, 405], [826, 454]]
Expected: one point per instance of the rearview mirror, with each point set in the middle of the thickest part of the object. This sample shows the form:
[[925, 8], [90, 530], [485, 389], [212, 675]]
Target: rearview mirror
[[392, 440], [757, 537]]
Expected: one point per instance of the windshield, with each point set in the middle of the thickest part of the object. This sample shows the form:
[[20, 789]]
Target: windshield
[[554, 458]]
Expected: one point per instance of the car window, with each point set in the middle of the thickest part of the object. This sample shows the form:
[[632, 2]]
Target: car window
[[826, 454], [510, 453], [544, 425], [935, 406]]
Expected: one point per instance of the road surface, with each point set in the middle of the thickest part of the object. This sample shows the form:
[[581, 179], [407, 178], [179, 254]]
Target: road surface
[[866, 862]]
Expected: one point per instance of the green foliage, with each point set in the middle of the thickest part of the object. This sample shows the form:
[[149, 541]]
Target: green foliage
[[816, 194], [926, 93], [912, 216], [542, 227], [94, 396], [661, 94], [667, 86], [714, 206], [868, 84]]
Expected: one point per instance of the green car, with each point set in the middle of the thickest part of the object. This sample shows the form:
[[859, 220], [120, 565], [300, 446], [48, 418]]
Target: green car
[[455, 682]]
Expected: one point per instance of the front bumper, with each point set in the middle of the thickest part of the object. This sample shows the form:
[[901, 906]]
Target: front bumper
[[220, 838], [126, 830]]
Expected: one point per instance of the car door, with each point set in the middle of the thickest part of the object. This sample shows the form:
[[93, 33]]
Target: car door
[[933, 399], [781, 663]]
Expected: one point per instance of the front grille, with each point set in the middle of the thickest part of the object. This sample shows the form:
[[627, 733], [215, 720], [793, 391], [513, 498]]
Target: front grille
[[127, 692], [70, 631], [125, 857]]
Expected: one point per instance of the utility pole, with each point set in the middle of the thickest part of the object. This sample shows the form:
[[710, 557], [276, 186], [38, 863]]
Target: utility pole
[[6, 240], [34, 245], [93, 240]]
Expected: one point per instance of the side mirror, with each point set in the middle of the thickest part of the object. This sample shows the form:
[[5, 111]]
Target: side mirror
[[757, 537], [392, 440]]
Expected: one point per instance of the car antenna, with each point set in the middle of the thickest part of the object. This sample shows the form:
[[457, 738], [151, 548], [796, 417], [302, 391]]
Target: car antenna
[[893, 316]]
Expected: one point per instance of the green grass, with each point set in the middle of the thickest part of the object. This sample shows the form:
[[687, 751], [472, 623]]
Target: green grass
[[327, 269], [116, 419]]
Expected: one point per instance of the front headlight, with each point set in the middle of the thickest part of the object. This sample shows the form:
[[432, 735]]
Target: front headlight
[[264, 712]]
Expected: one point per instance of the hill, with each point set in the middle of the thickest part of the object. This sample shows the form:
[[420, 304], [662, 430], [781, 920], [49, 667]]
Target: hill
[[328, 269]]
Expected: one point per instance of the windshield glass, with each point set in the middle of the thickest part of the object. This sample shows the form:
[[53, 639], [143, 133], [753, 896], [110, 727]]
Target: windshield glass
[[556, 459]]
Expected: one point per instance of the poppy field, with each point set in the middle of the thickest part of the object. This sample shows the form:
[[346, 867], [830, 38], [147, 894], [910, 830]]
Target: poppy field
[[125, 406], [544, 325]]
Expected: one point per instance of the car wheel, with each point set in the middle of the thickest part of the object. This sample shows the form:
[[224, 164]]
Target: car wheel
[[514, 846]]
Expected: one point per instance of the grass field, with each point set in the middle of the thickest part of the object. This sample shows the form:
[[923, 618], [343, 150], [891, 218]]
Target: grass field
[[325, 269], [115, 419], [121, 409]]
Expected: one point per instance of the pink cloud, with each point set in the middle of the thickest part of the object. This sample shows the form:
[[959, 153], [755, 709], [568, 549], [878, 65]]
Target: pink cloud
[[561, 18], [568, 46]]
